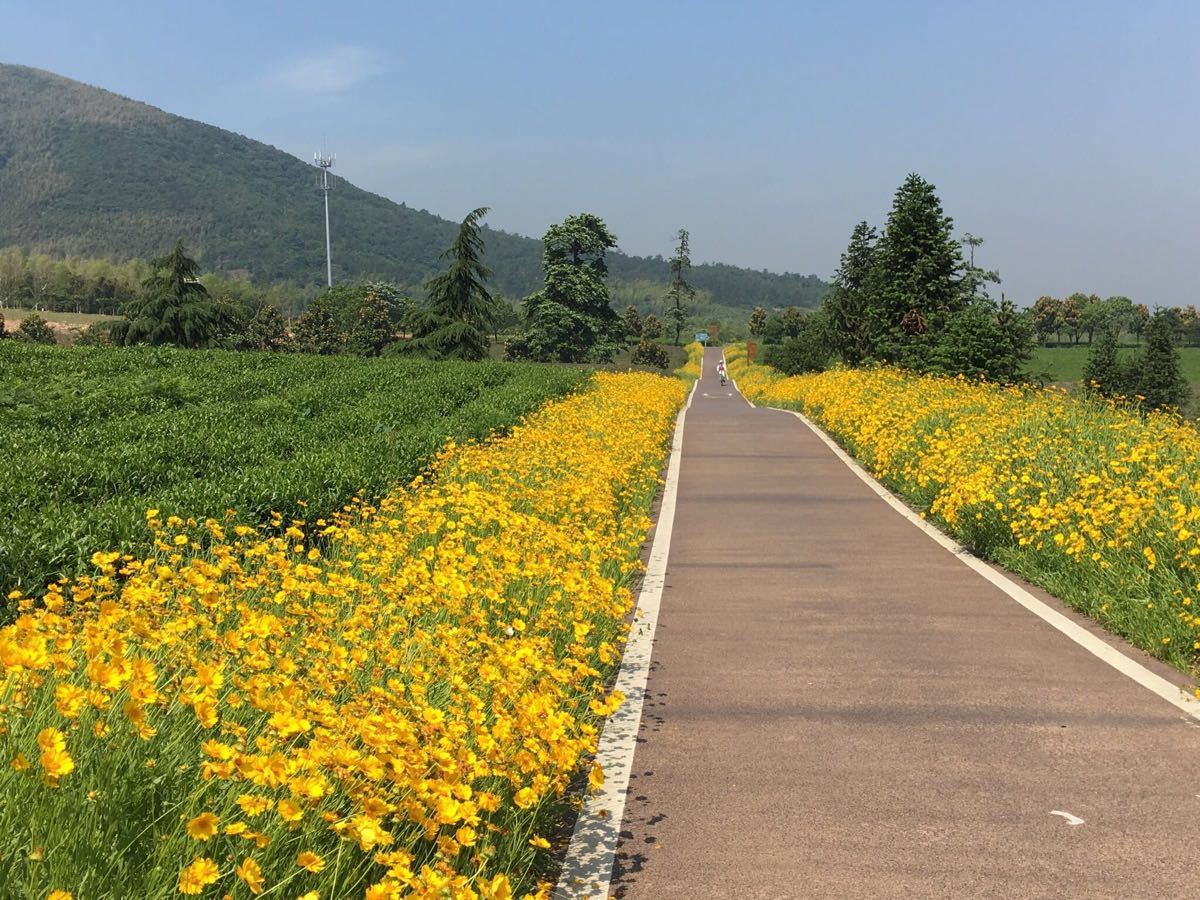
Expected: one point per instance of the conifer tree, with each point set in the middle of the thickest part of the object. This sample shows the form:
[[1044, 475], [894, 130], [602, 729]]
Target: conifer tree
[[917, 277], [679, 293], [849, 299], [459, 310], [174, 308], [1159, 379], [1103, 373]]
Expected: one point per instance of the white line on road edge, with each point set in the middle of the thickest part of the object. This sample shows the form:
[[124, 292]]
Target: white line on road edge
[[587, 869], [1155, 683]]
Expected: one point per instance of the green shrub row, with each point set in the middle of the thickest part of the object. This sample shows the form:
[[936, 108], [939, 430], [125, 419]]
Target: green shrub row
[[92, 437]]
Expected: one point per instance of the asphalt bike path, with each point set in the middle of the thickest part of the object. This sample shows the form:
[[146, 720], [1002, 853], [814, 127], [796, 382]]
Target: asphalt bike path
[[838, 707]]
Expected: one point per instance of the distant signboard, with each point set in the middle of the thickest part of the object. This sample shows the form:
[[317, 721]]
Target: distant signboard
[[701, 337]]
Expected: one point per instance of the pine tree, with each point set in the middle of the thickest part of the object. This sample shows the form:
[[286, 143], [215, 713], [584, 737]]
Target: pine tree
[[1102, 373], [917, 279], [174, 308], [679, 293], [1159, 379], [847, 303], [459, 311]]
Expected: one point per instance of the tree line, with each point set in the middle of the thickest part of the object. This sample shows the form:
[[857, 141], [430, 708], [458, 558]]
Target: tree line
[[907, 296], [167, 301]]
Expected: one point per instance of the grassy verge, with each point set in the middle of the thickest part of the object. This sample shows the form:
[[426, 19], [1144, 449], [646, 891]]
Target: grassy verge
[[1094, 502], [400, 713], [96, 436]]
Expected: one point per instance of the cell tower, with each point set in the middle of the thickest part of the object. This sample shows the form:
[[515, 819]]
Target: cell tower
[[325, 163]]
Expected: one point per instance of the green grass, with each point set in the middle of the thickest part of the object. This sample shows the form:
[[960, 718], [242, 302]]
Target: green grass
[[1065, 364], [95, 436]]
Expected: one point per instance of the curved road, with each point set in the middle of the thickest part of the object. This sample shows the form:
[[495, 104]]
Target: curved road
[[838, 707]]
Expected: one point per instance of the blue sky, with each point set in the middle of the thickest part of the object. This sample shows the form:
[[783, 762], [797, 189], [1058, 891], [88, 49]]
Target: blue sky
[[1066, 134]]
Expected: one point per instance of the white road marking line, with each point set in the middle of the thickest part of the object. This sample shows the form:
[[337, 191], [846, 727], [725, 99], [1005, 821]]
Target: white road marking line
[[1172, 693], [1071, 820], [587, 869]]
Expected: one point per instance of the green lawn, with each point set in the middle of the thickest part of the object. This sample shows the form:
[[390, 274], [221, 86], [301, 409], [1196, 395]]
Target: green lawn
[[1065, 364]]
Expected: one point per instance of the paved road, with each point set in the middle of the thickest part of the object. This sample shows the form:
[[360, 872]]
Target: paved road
[[839, 708]]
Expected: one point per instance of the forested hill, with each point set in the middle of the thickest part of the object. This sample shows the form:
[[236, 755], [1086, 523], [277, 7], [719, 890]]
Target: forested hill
[[89, 173]]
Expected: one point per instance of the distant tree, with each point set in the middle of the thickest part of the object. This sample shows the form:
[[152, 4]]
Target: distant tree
[[652, 327], [1189, 325], [266, 330], [917, 282], [1139, 321], [649, 353], [793, 321], [679, 293], [570, 319], [174, 307], [459, 310], [1121, 313], [1159, 379], [975, 279], [506, 319], [632, 322], [809, 350], [1071, 315], [847, 303], [758, 321], [1047, 317], [36, 330], [375, 328], [316, 330], [1103, 373], [1094, 315]]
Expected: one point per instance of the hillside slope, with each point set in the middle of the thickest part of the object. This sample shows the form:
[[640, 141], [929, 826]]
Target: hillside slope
[[86, 172]]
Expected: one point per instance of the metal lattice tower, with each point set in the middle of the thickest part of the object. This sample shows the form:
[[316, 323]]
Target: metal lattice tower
[[325, 163]]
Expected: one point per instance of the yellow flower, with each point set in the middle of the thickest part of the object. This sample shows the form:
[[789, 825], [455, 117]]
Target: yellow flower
[[60, 895], [310, 861], [289, 811], [203, 827], [198, 875], [540, 842], [251, 873], [252, 805], [20, 762]]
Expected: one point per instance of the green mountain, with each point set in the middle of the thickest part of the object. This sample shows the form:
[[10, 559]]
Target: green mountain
[[86, 172]]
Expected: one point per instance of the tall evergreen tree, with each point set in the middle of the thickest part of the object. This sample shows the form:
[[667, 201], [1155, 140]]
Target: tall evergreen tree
[[1103, 373], [679, 292], [849, 298], [174, 308], [917, 278], [570, 319], [459, 310], [1159, 379]]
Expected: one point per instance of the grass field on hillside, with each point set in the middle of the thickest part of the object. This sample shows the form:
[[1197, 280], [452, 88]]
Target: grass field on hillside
[[96, 436], [69, 319]]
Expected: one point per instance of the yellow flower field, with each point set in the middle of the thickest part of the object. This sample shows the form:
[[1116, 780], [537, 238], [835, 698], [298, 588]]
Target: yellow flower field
[[1096, 502], [390, 704]]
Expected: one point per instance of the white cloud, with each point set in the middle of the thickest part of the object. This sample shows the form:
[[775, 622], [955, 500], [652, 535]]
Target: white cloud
[[329, 72]]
